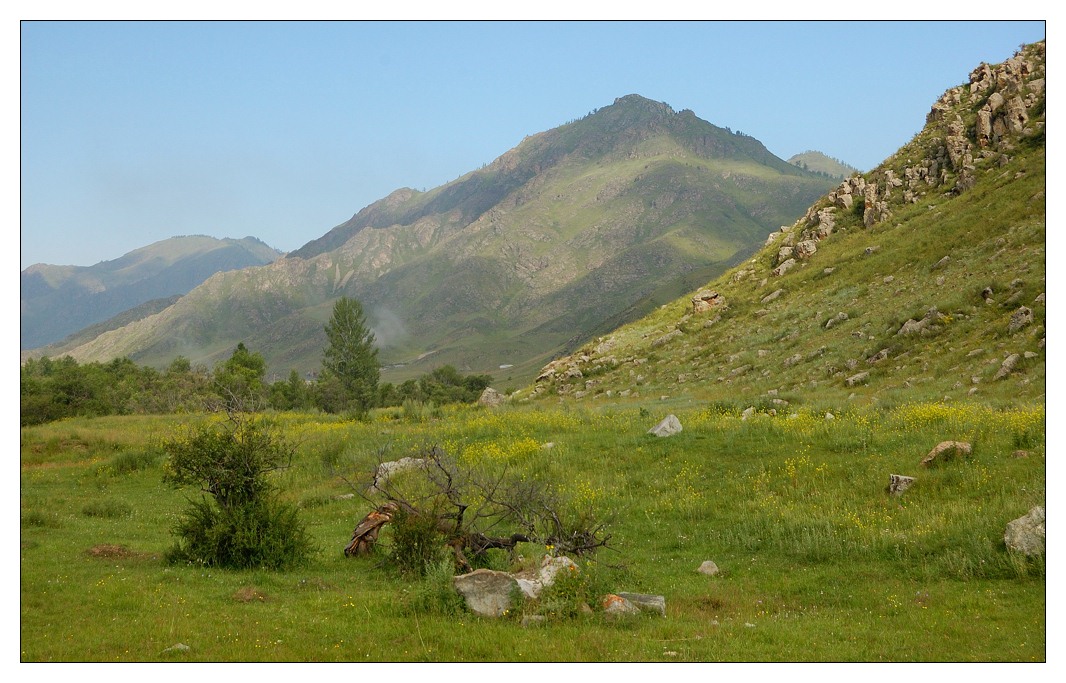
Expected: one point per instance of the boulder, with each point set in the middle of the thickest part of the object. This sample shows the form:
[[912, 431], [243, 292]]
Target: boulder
[[487, 592], [783, 267], [491, 398], [616, 605], [708, 567], [706, 300], [898, 483], [859, 378], [1019, 319], [669, 426], [1008, 366], [749, 412], [645, 602], [1026, 534], [946, 450]]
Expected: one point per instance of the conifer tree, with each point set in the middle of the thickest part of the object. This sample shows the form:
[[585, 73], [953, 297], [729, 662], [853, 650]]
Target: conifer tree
[[351, 357]]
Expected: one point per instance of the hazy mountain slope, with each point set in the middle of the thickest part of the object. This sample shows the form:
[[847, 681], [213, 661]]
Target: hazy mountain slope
[[508, 264], [820, 163], [59, 300], [923, 279]]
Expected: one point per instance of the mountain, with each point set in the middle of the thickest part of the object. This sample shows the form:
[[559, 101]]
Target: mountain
[[59, 300], [923, 279], [576, 230], [820, 163]]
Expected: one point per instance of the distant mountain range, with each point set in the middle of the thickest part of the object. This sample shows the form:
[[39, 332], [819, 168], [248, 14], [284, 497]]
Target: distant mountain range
[[921, 280], [573, 232], [59, 300]]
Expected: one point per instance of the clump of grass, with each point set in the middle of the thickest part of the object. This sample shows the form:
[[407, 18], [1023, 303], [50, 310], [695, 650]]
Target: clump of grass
[[37, 519], [107, 509], [128, 462]]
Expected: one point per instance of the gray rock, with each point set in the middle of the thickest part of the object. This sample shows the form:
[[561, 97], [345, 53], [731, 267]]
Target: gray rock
[[1019, 319], [669, 426], [179, 647], [859, 378], [783, 268], [490, 397], [1008, 366], [616, 605], [898, 483], [1026, 534], [838, 318], [748, 413], [708, 567], [772, 295], [645, 602], [487, 592]]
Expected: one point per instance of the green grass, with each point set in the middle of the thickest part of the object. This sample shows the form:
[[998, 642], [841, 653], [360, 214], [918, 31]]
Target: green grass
[[818, 562]]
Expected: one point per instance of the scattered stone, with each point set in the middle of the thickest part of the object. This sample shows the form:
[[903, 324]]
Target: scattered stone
[[645, 602], [783, 267], [1008, 366], [669, 426], [1039, 299], [748, 412], [1019, 319], [878, 357], [941, 263], [898, 483], [888, 278], [772, 295], [838, 318], [179, 647], [491, 398], [1029, 355], [615, 605], [986, 293], [487, 592], [871, 250], [830, 416], [705, 300], [859, 378], [828, 271], [805, 249], [389, 469], [946, 450], [913, 326], [1026, 534], [708, 567], [1020, 454]]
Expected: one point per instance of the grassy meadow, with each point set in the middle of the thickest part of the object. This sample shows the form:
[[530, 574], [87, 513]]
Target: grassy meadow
[[818, 562]]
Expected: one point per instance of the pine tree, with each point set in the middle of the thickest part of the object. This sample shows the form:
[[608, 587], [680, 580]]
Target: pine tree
[[351, 358]]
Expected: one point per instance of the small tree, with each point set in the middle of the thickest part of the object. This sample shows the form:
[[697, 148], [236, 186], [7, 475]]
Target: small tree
[[243, 524], [240, 377], [351, 357]]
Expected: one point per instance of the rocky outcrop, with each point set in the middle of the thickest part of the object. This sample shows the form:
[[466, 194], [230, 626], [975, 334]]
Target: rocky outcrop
[[946, 450], [707, 300]]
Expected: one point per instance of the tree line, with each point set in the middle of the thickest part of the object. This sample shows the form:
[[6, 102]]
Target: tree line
[[52, 389]]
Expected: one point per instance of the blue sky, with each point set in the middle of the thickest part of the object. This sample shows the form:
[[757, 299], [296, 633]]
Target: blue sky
[[135, 132]]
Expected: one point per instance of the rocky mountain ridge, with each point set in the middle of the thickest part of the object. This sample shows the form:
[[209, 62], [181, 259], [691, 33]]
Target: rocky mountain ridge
[[509, 264]]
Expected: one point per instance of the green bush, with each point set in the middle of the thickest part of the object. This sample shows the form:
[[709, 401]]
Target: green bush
[[417, 543], [129, 462], [267, 534], [243, 525], [436, 593]]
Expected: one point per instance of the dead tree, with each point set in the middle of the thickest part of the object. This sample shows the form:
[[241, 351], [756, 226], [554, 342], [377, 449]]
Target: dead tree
[[434, 487]]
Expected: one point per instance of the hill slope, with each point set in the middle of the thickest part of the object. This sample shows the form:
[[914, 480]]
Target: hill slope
[[820, 163], [59, 300], [507, 265], [923, 278]]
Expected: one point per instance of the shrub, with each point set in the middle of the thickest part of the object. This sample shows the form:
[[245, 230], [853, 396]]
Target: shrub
[[267, 534], [416, 542], [243, 525], [107, 509]]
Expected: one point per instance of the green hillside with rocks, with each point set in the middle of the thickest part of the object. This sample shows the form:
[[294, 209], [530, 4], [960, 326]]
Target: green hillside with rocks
[[923, 279]]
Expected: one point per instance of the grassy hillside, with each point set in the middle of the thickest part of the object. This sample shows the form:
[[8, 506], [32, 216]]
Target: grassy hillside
[[820, 163], [965, 236]]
